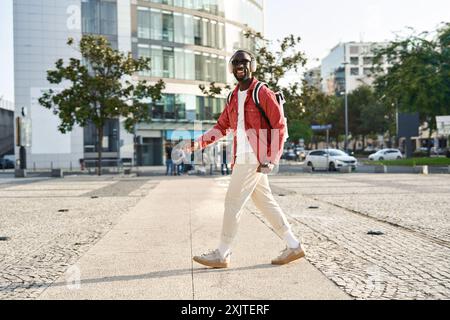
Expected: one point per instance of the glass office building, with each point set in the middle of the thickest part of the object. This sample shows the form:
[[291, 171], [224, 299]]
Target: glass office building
[[189, 43]]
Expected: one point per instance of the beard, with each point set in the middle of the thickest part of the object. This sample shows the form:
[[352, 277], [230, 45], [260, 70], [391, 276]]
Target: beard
[[242, 75]]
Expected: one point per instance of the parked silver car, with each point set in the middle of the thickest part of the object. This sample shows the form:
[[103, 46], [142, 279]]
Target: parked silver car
[[330, 159], [386, 154]]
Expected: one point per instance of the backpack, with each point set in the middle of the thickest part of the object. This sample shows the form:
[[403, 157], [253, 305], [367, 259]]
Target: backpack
[[255, 96]]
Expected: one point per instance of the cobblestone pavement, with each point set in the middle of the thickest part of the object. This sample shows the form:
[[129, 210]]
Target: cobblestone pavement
[[333, 214], [50, 223]]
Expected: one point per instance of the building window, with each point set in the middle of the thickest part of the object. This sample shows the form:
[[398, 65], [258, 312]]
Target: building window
[[156, 23], [143, 23], [157, 61], [110, 136], [157, 109], [180, 28], [169, 107], [208, 68], [199, 66], [354, 50], [168, 63], [368, 61], [178, 22], [189, 65], [365, 50], [208, 108], [179, 63], [222, 69], [367, 71], [167, 26], [99, 17], [108, 18], [189, 33], [200, 107], [204, 32], [197, 31], [220, 36], [144, 52], [354, 61], [212, 35], [180, 107], [354, 71]]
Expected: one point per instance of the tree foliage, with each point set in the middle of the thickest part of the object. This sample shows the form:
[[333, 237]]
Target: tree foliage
[[99, 87], [418, 79]]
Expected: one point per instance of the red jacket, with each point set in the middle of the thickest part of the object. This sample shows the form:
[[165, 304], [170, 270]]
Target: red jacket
[[267, 144]]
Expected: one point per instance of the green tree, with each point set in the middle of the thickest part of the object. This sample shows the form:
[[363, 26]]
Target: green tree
[[321, 109], [300, 129], [418, 77], [99, 88], [369, 115], [276, 60]]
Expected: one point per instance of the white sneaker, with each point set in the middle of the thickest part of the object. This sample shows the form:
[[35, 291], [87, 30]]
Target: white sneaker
[[213, 259], [289, 255]]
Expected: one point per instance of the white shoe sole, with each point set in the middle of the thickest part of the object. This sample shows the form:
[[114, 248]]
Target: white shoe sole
[[289, 259], [212, 264]]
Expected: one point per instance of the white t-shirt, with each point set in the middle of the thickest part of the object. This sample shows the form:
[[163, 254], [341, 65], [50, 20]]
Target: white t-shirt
[[244, 152]]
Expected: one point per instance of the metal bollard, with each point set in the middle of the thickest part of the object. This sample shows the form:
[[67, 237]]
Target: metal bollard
[[421, 170], [380, 169], [346, 169]]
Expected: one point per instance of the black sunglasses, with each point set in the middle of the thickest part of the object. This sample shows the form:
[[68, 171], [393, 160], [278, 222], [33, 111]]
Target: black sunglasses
[[238, 62]]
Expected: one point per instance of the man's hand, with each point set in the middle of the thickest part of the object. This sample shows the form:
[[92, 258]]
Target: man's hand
[[266, 168], [189, 148]]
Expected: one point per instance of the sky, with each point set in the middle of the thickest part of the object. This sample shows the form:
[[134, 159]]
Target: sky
[[321, 24]]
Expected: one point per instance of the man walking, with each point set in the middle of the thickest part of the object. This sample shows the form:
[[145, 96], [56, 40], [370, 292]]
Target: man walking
[[224, 167], [169, 162], [257, 149]]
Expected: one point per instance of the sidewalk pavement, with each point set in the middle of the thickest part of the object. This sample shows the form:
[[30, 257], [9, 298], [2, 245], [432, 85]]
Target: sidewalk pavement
[[148, 254]]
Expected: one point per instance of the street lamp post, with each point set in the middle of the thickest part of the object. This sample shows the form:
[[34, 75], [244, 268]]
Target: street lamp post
[[346, 107]]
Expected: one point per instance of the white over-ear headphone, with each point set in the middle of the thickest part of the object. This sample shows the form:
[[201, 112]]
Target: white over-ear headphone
[[253, 64]]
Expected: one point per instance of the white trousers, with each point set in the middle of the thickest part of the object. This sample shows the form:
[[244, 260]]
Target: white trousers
[[246, 183]]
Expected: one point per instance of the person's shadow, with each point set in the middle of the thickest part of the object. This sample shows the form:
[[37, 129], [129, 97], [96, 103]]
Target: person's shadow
[[150, 275]]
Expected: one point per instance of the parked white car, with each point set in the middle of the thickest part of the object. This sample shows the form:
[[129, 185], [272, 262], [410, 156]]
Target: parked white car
[[386, 154], [10, 157], [329, 159]]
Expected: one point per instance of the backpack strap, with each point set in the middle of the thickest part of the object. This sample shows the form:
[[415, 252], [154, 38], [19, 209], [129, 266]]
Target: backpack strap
[[280, 98], [230, 95], [255, 96]]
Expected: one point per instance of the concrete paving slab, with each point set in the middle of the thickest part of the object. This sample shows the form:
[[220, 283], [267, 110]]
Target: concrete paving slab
[[148, 254]]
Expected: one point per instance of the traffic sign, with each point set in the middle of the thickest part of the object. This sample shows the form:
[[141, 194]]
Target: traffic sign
[[321, 127]]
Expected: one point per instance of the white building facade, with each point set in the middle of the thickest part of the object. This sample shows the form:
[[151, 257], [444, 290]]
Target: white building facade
[[348, 65]]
